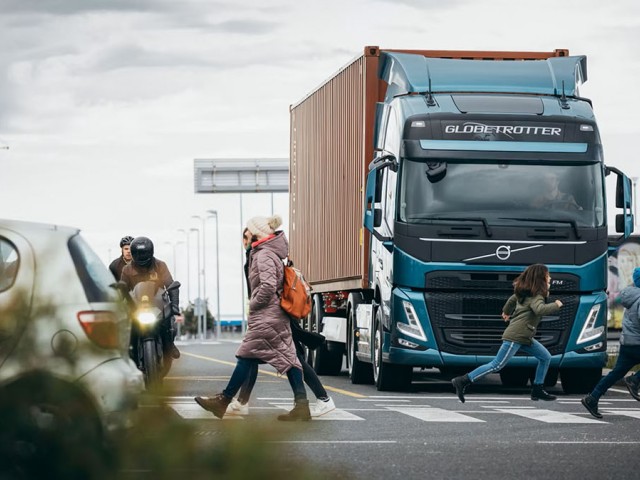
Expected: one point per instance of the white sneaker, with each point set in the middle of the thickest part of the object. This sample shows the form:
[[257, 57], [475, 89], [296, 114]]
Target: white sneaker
[[237, 408], [322, 407]]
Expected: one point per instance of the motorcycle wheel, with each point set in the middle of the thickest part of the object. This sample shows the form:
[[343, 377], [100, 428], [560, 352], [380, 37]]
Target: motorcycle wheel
[[151, 369]]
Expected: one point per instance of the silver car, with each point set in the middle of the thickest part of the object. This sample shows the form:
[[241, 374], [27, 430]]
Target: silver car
[[64, 340]]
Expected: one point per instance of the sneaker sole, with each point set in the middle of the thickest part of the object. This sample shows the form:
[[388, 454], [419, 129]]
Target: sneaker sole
[[321, 414]]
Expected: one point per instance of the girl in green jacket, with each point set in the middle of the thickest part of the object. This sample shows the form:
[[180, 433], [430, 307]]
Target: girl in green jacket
[[523, 310]]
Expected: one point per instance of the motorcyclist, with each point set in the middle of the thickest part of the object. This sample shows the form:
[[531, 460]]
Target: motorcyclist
[[124, 259], [145, 267]]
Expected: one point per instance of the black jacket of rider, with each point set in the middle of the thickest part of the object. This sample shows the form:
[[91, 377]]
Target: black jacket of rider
[[158, 272], [116, 267]]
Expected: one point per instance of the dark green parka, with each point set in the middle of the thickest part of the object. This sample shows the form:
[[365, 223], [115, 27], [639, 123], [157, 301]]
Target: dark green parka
[[524, 317]]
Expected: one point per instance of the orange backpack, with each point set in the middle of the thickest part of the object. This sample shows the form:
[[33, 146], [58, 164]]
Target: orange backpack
[[296, 293]]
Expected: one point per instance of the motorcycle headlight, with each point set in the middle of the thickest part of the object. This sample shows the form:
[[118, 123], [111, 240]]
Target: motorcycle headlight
[[147, 317]]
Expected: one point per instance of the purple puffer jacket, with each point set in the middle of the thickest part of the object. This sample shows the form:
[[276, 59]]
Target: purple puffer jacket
[[268, 336]]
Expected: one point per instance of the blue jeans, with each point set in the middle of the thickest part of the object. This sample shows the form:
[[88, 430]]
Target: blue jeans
[[627, 358], [508, 350], [309, 374], [244, 369]]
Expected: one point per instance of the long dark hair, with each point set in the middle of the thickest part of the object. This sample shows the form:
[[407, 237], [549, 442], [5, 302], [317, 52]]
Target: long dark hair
[[532, 282]]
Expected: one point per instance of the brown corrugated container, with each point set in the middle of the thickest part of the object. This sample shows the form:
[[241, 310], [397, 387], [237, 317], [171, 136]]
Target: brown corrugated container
[[331, 146]]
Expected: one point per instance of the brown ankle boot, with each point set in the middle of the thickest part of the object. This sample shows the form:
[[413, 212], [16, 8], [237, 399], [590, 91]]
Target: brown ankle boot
[[216, 405], [300, 412]]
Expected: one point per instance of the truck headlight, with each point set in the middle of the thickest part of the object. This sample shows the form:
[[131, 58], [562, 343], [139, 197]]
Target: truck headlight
[[412, 328], [589, 330]]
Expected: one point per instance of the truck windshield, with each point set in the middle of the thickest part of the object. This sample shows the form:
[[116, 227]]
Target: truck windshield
[[504, 193]]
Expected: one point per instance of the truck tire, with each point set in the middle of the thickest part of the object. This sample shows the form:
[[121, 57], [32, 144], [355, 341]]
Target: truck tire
[[361, 373], [579, 380], [515, 377], [327, 358], [388, 377]]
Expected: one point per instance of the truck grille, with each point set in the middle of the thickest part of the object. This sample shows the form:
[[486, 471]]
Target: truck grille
[[470, 323]]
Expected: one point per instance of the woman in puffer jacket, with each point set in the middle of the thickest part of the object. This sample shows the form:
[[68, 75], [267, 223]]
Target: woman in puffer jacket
[[268, 337]]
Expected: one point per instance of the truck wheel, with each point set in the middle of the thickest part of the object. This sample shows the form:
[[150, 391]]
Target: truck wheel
[[514, 377], [579, 380], [388, 377], [361, 373], [327, 358]]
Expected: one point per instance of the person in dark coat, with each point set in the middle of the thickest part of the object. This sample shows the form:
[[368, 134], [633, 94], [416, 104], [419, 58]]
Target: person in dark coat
[[124, 259], [145, 267], [629, 354], [268, 338], [301, 338]]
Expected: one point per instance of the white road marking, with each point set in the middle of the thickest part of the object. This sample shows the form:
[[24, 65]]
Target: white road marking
[[337, 414], [635, 413], [548, 416], [196, 412], [436, 415]]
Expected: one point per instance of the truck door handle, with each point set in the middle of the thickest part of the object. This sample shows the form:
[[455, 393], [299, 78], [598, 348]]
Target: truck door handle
[[380, 264]]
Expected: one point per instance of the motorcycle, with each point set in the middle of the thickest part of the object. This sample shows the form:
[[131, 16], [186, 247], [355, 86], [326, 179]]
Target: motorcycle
[[152, 308]]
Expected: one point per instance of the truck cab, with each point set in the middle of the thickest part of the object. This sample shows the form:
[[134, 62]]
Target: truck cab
[[480, 171]]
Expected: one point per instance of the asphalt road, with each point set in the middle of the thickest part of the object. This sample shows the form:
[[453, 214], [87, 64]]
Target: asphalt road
[[425, 433]]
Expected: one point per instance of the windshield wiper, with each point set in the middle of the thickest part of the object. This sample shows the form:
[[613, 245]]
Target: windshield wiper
[[546, 220], [482, 220]]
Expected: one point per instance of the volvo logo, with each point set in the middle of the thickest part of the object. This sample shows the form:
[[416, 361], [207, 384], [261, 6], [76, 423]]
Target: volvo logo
[[503, 252]]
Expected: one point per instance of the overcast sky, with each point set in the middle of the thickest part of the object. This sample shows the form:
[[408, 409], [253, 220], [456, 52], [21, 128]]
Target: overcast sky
[[104, 104]]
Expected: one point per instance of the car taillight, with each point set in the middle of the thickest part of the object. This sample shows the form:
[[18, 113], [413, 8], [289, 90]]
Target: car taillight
[[101, 328]]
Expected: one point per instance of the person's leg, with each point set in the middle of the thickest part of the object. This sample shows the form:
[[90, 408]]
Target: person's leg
[[219, 403], [247, 386], [507, 350], [301, 404], [544, 359], [538, 350], [312, 380], [625, 361], [623, 364]]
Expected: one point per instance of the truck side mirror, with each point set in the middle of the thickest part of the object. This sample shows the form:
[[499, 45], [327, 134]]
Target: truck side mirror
[[377, 217], [620, 223], [622, 200]]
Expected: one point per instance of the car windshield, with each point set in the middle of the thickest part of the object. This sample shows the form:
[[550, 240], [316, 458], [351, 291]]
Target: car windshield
[[93, 274], [503, 193]]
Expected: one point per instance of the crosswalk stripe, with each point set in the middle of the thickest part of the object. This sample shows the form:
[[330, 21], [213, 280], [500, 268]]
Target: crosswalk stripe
[[336, 414], [193, 411], [626, 413], [435, 415], [548, 416]]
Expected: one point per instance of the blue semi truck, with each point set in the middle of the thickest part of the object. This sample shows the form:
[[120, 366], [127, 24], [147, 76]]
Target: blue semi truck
[[422, 183]]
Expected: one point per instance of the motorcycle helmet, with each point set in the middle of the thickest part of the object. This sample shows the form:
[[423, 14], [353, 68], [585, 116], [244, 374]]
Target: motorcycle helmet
[[126, 241], [142, 251]]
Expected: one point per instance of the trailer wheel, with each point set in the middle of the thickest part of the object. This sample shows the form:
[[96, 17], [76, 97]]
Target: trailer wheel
[[579, 380], [360, 372], [387, 377], [327, 358]]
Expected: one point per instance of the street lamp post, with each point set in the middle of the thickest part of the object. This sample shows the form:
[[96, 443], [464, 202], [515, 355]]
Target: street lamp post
[[201, 323], [204, 269], [214, 214], [182, 230]]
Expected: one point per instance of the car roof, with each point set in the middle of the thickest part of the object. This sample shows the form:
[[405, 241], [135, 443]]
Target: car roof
[[28, 228]]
